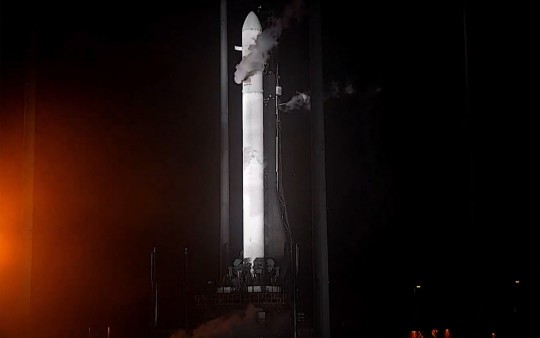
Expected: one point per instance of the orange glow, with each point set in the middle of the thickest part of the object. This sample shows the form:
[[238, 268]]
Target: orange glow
[[5, 249], [447, 333], [7, 233], [7, 223]]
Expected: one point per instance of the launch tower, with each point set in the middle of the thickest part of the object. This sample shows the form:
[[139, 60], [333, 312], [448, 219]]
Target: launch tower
[[263, 275]]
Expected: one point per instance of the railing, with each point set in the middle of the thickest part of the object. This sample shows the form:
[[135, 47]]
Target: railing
[[266, 298]]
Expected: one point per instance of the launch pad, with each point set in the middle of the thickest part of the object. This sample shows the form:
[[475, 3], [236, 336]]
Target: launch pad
[[256, 291], [259, 284]]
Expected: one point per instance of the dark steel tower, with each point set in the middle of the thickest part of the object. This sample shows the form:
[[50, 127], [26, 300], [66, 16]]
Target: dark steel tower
[[318, 176], [224, 196]]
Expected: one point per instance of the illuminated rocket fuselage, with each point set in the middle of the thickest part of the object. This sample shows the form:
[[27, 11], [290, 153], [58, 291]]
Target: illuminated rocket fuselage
[[253, 150]]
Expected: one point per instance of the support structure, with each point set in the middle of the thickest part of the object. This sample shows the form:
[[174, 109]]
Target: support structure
[[318, 175], [224, 255]]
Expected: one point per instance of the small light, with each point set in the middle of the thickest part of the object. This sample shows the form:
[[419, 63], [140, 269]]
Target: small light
[[418, 286], [517, 282]]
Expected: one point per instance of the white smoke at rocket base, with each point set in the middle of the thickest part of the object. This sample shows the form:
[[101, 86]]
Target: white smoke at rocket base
[[236, 325], [268, 39], [220, 327]]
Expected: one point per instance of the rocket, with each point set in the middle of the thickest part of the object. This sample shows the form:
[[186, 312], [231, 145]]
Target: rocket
[[252, 150]]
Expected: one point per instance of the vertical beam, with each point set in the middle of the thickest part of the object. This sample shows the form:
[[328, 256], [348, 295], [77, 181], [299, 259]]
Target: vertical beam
[[224, 197], [468, 120], [28, 181], [318, 175], [186, 288], [274, 234]]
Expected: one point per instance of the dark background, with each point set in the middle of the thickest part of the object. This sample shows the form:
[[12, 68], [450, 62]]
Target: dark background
[[429, 181]]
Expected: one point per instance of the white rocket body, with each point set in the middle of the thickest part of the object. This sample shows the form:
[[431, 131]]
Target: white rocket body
[[253, 151]]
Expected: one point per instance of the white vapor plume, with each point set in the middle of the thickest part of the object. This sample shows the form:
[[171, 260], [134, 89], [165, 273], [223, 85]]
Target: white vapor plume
[[268, 39], [235, 325], [303, 100], [299, 101], [221, 327], [336, 90]]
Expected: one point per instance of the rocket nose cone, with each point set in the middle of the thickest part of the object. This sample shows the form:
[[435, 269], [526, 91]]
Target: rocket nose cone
[[252, 22]]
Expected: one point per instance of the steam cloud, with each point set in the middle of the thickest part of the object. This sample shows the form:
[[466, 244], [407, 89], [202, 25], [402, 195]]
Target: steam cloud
[[268, 39], [334, 91], [236, 325], [303, 100], [222, 326], [299, 101]]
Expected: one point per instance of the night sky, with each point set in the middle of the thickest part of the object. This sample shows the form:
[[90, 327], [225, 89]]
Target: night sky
[[429, 161]]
